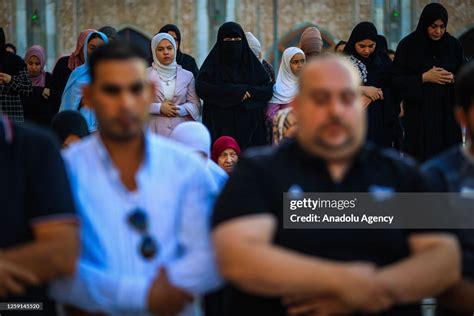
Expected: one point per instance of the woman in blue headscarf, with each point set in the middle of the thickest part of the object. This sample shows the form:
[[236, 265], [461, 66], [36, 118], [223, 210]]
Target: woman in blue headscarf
[[72, 96]]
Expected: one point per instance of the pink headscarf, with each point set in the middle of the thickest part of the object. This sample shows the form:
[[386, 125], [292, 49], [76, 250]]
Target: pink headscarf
[[223, 143], [75, 58], [38, 52]]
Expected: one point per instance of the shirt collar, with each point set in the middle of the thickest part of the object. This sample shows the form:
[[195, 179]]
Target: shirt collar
[[312, 159], [109, 164]]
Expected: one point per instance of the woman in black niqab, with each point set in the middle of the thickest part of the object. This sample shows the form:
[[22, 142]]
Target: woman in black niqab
[[235, 88], [375, 71], [429, 122]]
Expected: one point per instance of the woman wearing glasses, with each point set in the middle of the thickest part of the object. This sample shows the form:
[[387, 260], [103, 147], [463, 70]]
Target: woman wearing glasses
[[175, 98]]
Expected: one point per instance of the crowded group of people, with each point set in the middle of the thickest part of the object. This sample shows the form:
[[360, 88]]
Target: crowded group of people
[[156, 187]]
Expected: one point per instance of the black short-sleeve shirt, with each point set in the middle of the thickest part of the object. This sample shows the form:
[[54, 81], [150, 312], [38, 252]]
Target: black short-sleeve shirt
[[33, 188], [257, 186]]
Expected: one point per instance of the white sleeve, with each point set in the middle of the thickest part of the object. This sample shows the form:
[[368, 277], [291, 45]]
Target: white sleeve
[[95, 290], [155, 108], [182, 111], [195, 270]]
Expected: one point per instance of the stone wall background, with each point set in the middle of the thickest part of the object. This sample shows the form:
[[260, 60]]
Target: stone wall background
[[336, 17]]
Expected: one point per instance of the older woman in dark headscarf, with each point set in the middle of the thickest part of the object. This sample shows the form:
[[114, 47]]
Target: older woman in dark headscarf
[[425, 63], [14, 82], [186, 61], [374, 68], [235, 88]]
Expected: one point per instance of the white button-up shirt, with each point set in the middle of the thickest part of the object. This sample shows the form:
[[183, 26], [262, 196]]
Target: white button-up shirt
[[175, 191]]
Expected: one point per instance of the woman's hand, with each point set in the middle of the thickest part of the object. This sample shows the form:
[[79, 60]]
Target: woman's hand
[[246, 96], [366, 101], [46, 93], [438, 75], [372, 93], [169, 109], [5, 78]]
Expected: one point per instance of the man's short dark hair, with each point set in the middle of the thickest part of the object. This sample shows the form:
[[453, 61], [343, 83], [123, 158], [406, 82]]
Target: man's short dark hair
[[390, 51], [114, 51], [109, 31], [465, 86], [339, 44]]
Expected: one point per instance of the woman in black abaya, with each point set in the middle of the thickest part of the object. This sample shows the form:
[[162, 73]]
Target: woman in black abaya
[[425, 64], [235, 88], [374, 67]]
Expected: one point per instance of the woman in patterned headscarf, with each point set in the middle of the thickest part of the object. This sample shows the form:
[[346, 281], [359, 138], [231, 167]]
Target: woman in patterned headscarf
[[374, 67]]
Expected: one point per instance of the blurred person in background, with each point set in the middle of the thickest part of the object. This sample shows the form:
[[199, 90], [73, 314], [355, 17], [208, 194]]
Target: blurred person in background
[[72, 95], [175, 99], [64, 67], [339, 48], [14, 82], [36, 106], [196, 137], [256, 48], [366, 51], [424, 67], [70, 127], [286, 86], [311, 42], [226, 152], [235, 89], [186, 61]]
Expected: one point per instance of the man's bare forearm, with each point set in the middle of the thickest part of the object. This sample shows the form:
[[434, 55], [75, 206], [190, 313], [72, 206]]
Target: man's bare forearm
[[424, 273], [273, 271], [47, 258]]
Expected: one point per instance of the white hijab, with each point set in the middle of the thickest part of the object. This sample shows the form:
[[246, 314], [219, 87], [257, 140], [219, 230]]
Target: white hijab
[[254, 45], [165, 71], [194, 135], [286, 86]]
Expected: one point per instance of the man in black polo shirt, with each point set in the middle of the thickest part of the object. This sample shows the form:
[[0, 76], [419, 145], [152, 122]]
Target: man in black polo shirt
[[453, 171], [38, 235], [324, 271]]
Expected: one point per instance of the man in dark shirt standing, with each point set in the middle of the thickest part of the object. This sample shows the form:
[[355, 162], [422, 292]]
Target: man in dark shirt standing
[[453, 171], [324, 271], [38, 234]]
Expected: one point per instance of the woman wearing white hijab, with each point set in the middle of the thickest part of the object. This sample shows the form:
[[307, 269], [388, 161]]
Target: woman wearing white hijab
[[197, 138], [286, 86], [175, 98]]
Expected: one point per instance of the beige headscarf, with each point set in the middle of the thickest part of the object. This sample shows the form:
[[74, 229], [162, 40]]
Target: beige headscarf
[[311, 41], [254, 44]]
